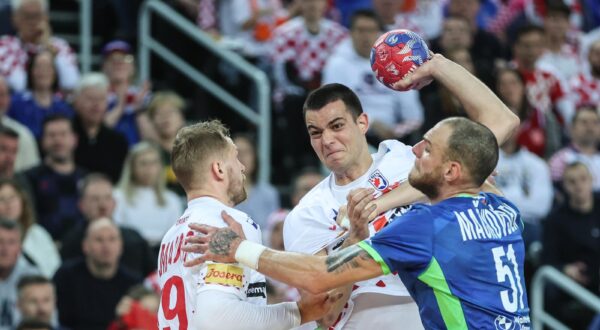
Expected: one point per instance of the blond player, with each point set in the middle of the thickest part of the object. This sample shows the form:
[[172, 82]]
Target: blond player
[[216, 295]]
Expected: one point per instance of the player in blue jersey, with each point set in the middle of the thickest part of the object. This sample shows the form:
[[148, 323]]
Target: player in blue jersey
[[461, 258]]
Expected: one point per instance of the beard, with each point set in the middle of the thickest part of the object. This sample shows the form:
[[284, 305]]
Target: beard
[[236, 189], [427, 184]]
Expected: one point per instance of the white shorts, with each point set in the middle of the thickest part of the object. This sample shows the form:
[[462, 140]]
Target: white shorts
[[379, 311]]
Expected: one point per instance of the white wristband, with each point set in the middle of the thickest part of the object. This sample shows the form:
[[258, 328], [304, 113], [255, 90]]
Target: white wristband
[[248, 253]]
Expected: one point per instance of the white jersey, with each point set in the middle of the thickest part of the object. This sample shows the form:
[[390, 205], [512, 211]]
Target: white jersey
[[180, 285], [310, 227]]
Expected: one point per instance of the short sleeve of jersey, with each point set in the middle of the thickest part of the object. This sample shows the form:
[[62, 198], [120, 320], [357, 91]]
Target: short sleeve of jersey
[[405, 244], [309, 230]]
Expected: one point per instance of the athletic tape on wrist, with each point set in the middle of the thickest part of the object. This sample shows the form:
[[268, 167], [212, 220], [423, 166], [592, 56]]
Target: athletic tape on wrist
[[248, 253]]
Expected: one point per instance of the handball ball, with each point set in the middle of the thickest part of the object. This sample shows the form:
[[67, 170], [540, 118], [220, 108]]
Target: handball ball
[[397, 53]]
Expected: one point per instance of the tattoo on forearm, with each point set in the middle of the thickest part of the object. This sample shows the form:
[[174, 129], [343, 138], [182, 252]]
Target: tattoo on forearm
[[345, 259], [221, 241]]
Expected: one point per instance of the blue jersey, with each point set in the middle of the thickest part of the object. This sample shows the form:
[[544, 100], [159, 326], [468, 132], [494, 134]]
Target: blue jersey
[[461, 260]]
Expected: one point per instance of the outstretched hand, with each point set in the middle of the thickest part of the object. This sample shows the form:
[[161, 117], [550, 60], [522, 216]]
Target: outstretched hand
[[216, 244]]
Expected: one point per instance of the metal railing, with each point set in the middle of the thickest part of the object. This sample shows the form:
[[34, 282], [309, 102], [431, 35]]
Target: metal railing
[[147, 44], [550, 274], [85, 35]]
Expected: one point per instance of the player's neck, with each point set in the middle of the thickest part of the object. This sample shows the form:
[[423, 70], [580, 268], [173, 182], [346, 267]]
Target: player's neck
[[191, 195], [455, 192]]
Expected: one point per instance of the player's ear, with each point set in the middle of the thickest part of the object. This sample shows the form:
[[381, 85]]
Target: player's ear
[[363, 122], [453, 171], [217, 170]]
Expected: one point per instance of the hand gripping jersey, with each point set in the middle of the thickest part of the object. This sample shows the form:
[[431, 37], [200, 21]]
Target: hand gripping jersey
[[310, 227], [180, 285], [461, 260]]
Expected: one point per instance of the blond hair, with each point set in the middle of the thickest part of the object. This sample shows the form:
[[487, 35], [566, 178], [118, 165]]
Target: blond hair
[[195, 147], [165, 97], [126, 183]]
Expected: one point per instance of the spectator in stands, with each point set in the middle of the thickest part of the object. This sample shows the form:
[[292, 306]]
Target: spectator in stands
[[392, 115], [487, 47], [301, 47], [524, 179], [166, 113], [40, 100], [126, 102], [423, 17], [572, 243], [539, 132], [262, 198], [27, 155], [457, 34], [248, 25], [9, 144], [94, 137], [97, 201], [54, 183], [37, 299], [586, 86], [388, 11], [13, 266], [88, 290], [37, 245], [142, 201], [544, 89], [585, 139], [34, 34], [137, 310], [562, 54]]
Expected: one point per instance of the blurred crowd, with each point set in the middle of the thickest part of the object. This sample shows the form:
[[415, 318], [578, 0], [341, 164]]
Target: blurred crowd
[[86, 188]]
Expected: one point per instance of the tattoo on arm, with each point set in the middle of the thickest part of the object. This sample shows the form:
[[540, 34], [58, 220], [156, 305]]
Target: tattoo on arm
[[346, 259], [221, 241]]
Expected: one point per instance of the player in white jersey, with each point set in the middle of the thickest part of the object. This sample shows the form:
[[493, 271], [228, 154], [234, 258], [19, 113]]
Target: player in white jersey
[[311, 228], [337, 126], [215, 295]]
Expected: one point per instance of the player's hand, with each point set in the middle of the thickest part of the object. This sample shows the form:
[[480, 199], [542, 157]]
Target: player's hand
[[314, 307], [216, 244], [422, 76], [361, 209]]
